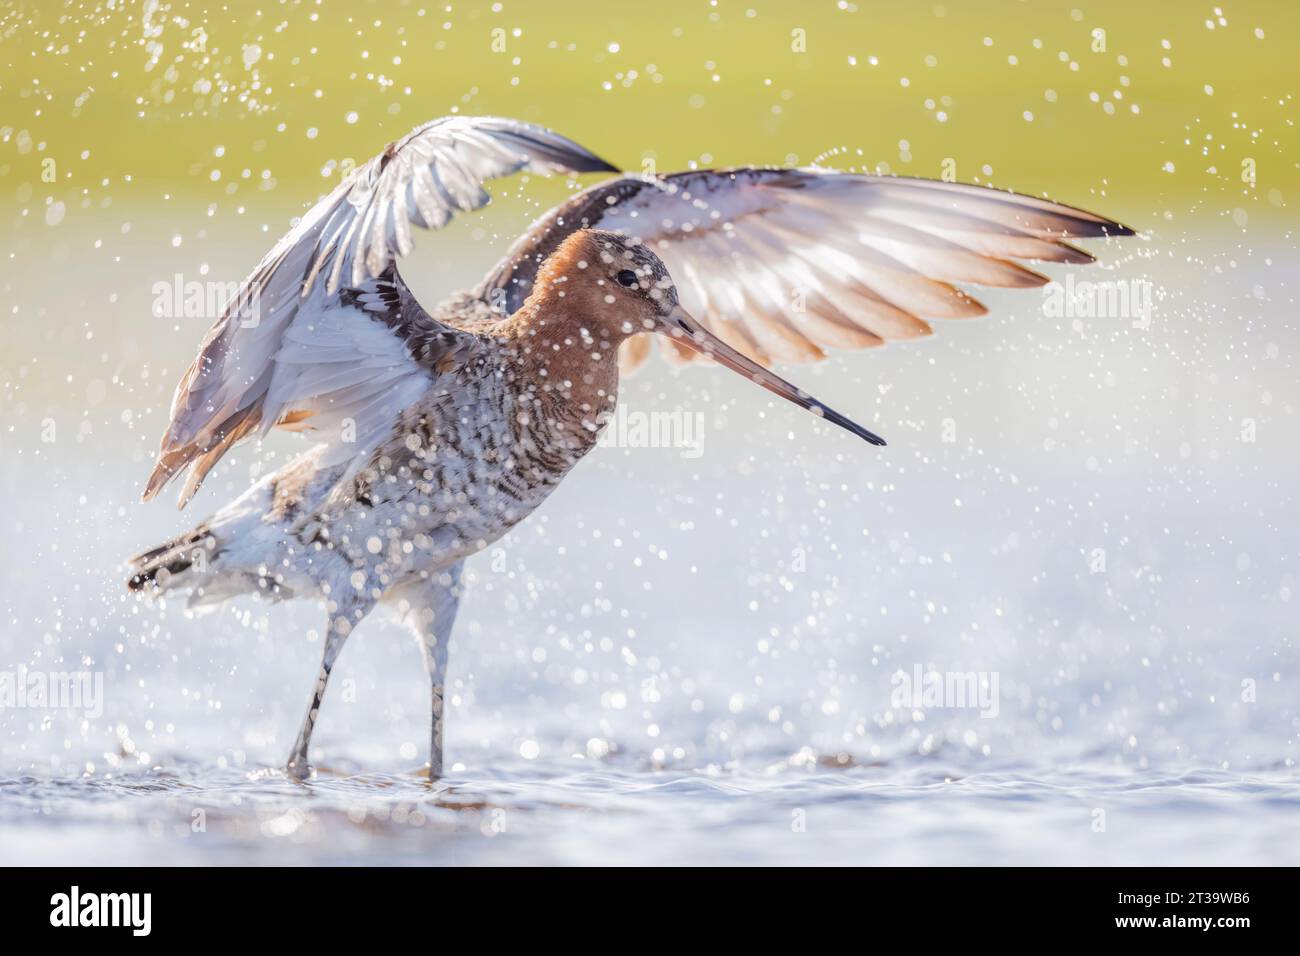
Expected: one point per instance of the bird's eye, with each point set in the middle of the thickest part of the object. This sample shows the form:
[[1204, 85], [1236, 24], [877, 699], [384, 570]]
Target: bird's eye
[[626, 278]]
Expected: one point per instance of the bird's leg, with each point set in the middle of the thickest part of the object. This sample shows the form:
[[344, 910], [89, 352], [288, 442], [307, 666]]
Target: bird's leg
[[435, 663], [433, 612], [341, 622]]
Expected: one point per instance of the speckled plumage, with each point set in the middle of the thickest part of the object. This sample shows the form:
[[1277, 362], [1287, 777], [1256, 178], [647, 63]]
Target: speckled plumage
[[494, 434]]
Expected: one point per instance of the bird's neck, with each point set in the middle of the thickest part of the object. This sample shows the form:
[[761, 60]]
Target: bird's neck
[[566, 355]]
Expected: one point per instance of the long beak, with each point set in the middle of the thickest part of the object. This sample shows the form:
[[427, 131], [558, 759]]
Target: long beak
[[689, 332]]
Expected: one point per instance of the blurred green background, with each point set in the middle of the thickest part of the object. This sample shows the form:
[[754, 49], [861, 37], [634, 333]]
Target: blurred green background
[[1159, 112]]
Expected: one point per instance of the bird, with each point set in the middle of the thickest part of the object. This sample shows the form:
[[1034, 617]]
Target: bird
[[439, 429]]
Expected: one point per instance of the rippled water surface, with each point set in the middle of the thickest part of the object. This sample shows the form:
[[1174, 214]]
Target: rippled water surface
[[920, 813]]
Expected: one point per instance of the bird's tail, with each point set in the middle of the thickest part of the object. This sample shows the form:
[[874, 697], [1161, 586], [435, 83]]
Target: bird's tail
[[173, 564], [226, 555]]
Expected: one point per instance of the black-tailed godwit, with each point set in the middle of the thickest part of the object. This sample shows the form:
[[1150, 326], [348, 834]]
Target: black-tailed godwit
[[440, 429]]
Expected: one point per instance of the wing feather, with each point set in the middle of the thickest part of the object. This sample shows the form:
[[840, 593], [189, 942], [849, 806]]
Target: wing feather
[[785, 263], [279, 352]]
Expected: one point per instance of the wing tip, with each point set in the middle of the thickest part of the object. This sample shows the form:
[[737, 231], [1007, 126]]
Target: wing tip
[[1099, 228], [1073, 255], [158, 480], [1110, 229]]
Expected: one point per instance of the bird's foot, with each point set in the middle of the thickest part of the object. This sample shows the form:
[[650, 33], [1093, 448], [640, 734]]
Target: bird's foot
[[299, 769]]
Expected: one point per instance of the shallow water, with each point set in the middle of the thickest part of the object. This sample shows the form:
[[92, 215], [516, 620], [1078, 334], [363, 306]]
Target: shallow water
[[922, 812]]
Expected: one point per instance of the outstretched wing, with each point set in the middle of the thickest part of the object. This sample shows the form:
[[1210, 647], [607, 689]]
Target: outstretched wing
[[783, 263], [289, 347]]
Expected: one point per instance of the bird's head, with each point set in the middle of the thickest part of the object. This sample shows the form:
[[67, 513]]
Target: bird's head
[[616, 284], [620, 285]]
